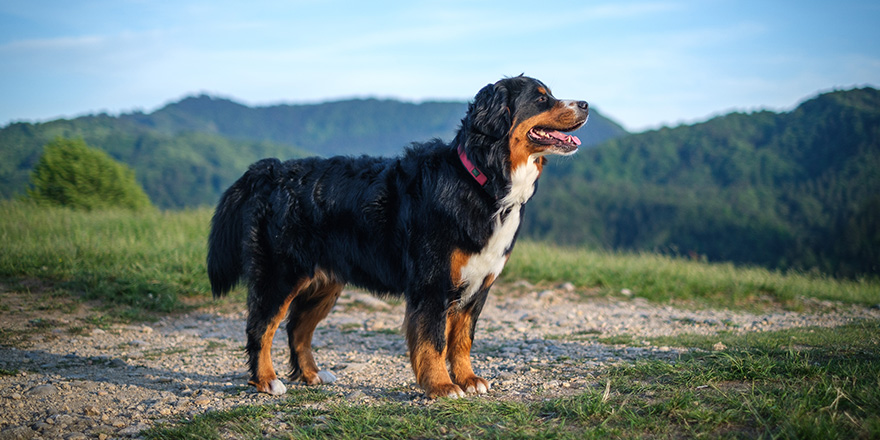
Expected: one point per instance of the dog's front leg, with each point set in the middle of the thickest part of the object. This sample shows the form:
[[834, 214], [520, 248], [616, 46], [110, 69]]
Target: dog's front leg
[[460, 326], [426, 336]]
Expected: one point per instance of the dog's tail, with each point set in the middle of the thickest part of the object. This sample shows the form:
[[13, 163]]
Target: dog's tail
[[240, 212]]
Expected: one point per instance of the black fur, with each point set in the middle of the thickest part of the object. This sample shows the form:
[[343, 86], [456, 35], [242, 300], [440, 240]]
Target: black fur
[[388, 225]]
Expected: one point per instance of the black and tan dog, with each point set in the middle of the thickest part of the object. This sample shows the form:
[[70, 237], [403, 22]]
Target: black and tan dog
[[435, 225]]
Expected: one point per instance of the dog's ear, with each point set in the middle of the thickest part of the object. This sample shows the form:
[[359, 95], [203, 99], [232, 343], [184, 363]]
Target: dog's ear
[[490, 112]]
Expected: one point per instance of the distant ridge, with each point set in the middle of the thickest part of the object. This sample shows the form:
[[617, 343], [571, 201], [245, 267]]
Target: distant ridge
[[187, 152], [355, 126]]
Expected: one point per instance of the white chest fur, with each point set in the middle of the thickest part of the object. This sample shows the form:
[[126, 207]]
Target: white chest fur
[[491, 260]]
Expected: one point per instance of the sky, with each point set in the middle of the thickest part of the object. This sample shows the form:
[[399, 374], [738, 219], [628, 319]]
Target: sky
[[645, 64]]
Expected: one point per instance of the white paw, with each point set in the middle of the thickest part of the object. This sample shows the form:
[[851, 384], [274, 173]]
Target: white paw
[[276, 388], [455, 393], [483, 388], [326, 376], [479, 388]]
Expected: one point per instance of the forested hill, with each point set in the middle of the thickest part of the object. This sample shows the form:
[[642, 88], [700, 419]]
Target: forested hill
[[796, 189], [188, 152], [352, 127]]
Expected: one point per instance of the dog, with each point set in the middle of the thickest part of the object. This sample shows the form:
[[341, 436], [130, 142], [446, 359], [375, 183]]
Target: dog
[[435, 225]]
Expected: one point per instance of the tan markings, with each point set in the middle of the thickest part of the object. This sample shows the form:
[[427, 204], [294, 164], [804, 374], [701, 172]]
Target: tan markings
[[490, 279], [458, 344], [459, 260], [428, 364], [429, 367], [542, 90], [557, 118], [265, 371], [325, 291]]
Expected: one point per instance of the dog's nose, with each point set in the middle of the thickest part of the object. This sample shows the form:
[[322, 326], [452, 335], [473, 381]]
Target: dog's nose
[[583, 105]]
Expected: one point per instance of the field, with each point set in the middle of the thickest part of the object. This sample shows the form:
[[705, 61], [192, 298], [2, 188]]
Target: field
[[116, 269]]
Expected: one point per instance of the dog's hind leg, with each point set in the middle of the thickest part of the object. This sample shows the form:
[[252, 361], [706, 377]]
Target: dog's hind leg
[[309, 307], [266, 309]]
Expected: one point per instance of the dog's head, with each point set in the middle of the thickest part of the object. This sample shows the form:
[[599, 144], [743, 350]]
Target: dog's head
[[517, 121]]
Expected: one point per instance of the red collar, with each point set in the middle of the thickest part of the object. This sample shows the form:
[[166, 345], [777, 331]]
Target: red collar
[[475, 172]]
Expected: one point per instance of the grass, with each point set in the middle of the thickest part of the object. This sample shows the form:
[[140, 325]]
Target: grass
[[136, 263], [803, 383], [140, 264], [664, 279]]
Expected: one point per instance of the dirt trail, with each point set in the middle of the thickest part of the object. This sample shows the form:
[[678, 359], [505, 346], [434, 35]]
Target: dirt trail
[[64, 378]]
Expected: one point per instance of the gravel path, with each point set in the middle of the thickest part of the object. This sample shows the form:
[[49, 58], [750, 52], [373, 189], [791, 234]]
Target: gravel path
[[531, 343]]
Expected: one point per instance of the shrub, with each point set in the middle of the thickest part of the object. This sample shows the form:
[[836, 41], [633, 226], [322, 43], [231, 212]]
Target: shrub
[[72, 174]]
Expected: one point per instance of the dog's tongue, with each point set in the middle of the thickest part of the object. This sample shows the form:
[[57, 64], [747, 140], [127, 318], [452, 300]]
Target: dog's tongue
[[566, 138]]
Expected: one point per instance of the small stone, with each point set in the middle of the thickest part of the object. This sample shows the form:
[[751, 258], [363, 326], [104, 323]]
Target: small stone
[[133, 430], [356, 395], [719, 346], [202, 401], [546, 295], [568, 287], [17, 433], [42, 390], [626, 292]]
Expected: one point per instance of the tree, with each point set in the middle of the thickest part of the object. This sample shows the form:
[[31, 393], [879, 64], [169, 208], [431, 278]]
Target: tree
[[72, 174]]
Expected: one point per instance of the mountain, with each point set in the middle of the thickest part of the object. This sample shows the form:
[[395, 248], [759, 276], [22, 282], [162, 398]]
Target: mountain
[[188, 152], [352, 127], [797, 189]]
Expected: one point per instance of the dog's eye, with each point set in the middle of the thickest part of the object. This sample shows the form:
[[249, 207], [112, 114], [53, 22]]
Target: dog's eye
[[542, 98]]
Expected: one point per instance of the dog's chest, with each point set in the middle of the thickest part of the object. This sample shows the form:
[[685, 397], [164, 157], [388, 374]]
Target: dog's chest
[[484, 267]]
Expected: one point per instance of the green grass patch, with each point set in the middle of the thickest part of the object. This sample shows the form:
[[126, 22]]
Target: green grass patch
[[145, 263], [134, 262], [662, 279], [825, 386]]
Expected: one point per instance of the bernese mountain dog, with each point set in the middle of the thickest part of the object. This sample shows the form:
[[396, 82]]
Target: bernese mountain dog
[[435, 225]]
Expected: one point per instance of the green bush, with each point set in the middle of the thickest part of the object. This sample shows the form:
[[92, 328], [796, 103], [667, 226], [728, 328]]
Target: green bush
[[72, 174]]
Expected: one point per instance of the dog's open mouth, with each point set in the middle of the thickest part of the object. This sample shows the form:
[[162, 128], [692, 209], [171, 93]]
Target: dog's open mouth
[[555, 138]]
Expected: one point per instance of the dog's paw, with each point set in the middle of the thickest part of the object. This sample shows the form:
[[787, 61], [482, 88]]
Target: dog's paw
[[450, 390], [474, 385], [316, 378], [326, 376], [274, 387]]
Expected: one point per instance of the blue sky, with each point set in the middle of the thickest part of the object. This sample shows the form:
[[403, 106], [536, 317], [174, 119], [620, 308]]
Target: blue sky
[[643, 63]]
